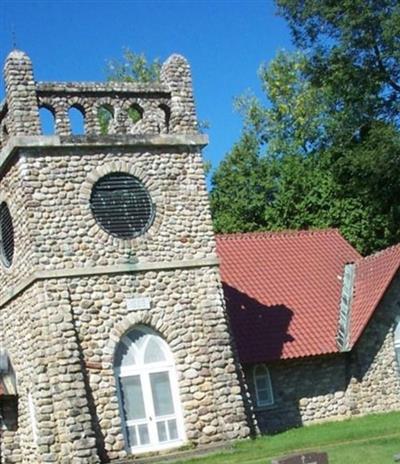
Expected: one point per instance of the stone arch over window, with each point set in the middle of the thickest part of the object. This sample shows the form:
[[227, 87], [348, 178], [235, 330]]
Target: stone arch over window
[[147, 391], [262, 386], [47, 117]]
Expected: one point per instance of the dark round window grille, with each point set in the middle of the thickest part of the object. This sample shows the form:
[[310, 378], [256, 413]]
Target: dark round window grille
[[6, 235], [122, 205]]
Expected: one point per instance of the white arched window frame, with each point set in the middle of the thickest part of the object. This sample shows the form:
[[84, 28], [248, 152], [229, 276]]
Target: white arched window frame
[[397, 342], [262, 386], [148, 392]]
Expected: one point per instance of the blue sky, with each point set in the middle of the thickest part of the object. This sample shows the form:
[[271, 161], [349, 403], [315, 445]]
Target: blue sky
[[225, 42]]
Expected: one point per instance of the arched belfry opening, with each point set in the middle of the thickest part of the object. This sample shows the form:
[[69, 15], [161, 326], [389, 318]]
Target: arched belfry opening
[[148, 392]]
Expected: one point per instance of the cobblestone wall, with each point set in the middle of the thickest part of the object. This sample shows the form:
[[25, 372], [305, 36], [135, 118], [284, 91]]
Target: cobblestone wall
[[18, 201], [174, 178], [375, 381], [304, 391], [186, 311]]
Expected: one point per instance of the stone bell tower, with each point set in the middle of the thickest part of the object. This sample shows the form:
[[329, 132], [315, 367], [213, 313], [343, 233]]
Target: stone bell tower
[[113, 329]]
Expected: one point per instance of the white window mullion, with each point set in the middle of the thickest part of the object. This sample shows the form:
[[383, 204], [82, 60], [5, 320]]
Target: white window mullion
[[148, 401]]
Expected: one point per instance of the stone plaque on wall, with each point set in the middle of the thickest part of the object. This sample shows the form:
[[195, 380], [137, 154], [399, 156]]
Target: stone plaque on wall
[[138, 304], [307, 458]]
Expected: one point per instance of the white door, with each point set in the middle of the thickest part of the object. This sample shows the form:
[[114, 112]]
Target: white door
[[148, 392]]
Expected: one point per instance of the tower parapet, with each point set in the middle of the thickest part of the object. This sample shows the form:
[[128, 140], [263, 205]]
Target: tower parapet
[[175, 73], [22, 109], [163, 107]]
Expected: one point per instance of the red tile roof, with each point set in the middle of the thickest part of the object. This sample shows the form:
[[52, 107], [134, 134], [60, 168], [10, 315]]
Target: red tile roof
[[373, 276], [283, 291]]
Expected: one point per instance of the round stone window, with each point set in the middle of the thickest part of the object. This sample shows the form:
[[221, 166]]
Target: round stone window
[[122, 205], [6, 236]]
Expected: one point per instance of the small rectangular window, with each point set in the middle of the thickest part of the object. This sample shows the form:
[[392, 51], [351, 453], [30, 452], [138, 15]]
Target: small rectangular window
[[262, 385]]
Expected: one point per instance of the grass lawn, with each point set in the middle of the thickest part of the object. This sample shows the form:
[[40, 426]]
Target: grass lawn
[[368, 440]]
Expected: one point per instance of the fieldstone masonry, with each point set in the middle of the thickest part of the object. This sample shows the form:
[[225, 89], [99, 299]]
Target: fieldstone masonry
[[64, 298], [305, 391], [374, 384]]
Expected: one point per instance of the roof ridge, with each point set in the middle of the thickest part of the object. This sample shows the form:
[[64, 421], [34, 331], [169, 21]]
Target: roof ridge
[[278, 233], [379, 253]]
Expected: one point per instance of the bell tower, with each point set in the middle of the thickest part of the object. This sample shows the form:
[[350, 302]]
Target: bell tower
[[112, 317]]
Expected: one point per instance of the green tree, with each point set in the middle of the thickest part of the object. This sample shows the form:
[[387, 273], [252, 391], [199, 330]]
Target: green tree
[[241, 187], [353, 46], [273, 179], [295, 120], [328, 135], [133, 68]]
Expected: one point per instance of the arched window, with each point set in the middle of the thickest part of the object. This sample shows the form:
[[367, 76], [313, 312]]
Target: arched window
[[148, 392], [262, 385], [47, 120], [77, 120], [397, 343], [105, 115], [135, 113], [164, 118]]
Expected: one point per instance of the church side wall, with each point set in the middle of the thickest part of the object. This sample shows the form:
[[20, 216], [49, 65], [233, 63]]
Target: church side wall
[[364, 381], [375, 383], [17, 314], [305, 391]]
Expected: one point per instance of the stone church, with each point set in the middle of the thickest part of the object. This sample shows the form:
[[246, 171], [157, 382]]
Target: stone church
[[118, 336]]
